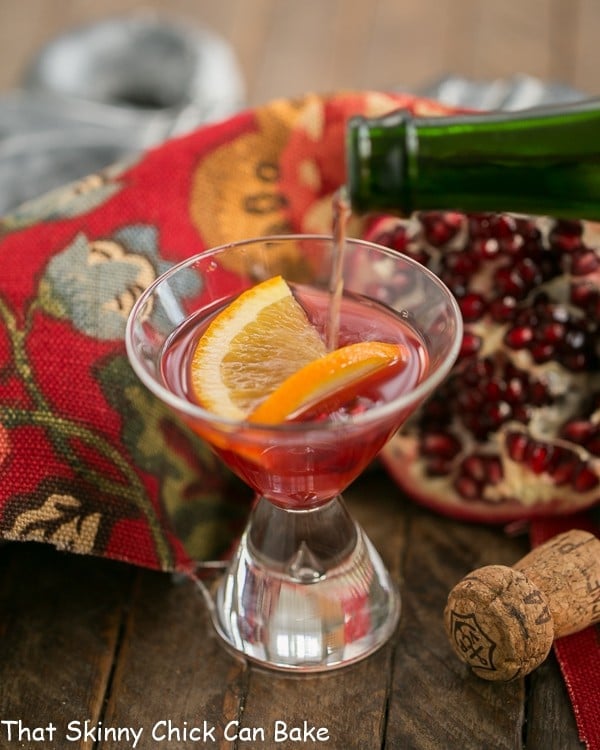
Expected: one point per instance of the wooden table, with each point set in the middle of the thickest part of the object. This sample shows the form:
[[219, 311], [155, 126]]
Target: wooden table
[[86, 640]]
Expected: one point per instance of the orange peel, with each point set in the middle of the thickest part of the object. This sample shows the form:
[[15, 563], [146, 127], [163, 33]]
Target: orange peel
[[329, 382]]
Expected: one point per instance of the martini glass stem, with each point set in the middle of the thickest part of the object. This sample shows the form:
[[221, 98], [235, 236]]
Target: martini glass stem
[[306, 590]]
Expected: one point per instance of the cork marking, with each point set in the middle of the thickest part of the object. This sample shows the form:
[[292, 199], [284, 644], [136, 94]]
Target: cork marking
[[593, 591], [535, 597], [475, 646]]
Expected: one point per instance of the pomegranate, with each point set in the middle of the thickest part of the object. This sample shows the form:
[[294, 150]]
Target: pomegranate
[[514, 432]]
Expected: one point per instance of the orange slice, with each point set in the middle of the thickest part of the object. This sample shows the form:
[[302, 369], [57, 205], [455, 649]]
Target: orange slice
[[331, 381], [250, 348]]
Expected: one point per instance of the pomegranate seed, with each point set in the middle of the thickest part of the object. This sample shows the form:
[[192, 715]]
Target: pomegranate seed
[[517, 442], [386, 238], [439, 228], [584, 262], [467, 488], [472, 374], [495, 473], [529, 272], [575, 362], [485, 368], [454, 219], [471, 344], [510, 282], [582, 293], [519, 337], [578, 431], [521, 413], [486, 247], [440, 444], [436, 233], [566, 236], [474, 467], [571, 227], [480, 225], [470, 400], [563, 472], [585, 479], [542, 352], [498, 413], [478, 426], [512, 245], [494, 390], [399, 239], [503, 225], [527, 317], [514, 391], [472, 307], [527, 228], [538, 394], [438, 467], [503, 309], [461, 263], [537, 456], [553, 332]]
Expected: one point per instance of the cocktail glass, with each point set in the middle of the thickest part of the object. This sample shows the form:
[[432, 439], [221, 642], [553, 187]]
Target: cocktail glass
[[305, 590]]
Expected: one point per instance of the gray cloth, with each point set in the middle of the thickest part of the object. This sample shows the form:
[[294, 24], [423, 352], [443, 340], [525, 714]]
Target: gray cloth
[[104, 92]]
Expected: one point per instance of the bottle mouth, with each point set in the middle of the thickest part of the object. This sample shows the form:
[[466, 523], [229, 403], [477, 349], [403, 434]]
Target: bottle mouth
[[358, 152], [378, 153]]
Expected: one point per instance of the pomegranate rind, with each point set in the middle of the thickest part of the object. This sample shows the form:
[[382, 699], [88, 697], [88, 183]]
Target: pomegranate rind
[[515, 430], [401, 460]]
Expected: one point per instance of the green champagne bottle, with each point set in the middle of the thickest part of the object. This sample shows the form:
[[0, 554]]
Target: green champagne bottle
[[538, 161]]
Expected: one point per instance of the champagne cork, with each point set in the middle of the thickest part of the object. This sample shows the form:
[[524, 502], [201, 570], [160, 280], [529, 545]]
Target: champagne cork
[[502, 621]]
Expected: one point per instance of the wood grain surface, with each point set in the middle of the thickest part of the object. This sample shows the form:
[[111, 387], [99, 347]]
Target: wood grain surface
[[89, 640]]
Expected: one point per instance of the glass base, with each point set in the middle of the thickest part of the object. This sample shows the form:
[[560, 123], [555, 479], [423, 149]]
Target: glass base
[[306, 591]]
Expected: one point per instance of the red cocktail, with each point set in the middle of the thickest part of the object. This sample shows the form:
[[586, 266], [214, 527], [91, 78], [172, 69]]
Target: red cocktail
[[306, 590], [275, 463]]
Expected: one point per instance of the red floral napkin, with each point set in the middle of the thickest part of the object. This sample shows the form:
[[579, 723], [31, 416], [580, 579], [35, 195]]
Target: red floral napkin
[[89, 461]]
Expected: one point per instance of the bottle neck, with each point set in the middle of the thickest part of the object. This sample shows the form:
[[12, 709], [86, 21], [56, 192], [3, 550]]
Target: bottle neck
[[544, 161]]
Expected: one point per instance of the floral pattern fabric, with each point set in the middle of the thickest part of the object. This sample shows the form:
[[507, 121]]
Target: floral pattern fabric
[[89, 460]]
